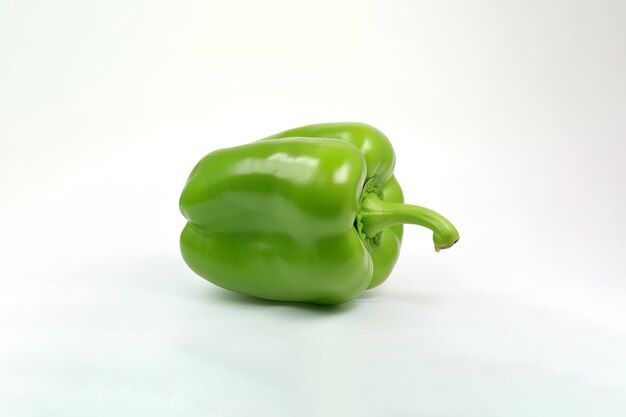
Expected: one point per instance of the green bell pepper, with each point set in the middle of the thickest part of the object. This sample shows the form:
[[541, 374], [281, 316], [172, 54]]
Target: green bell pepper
[[312, 214]]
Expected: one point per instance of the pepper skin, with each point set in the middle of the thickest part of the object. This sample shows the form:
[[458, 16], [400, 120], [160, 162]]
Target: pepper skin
[[312, 214]]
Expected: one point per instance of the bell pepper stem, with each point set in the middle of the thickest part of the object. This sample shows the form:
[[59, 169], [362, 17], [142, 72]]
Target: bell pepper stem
[[377, 215]]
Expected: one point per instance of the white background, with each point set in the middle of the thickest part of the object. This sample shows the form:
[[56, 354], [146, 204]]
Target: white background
[[508, 117]]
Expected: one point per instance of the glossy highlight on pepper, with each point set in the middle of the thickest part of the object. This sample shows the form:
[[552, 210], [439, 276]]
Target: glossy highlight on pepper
[[312, 214]]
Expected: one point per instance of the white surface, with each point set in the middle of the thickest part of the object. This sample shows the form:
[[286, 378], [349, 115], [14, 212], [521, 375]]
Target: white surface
[[507, 117]]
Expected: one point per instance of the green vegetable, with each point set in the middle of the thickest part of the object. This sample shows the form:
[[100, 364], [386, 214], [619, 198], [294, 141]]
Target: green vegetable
[[311, 214]]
